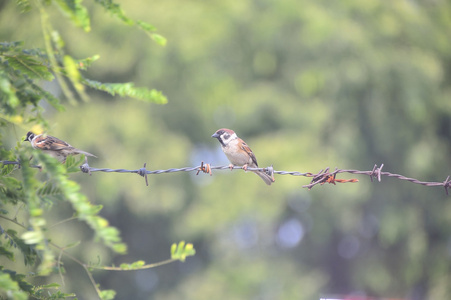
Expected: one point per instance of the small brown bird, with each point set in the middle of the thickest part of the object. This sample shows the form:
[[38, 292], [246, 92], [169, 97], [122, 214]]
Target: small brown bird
[[53, 146], [239, 153]]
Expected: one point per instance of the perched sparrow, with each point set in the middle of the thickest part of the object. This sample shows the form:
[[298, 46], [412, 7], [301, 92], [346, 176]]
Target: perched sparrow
[[239, 153], [53, 146]]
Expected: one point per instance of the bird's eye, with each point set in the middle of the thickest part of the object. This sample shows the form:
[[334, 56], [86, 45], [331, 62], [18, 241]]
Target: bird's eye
[[226, 136]]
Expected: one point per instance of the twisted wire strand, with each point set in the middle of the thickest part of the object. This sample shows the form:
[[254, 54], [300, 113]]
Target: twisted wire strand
[[321, 177]]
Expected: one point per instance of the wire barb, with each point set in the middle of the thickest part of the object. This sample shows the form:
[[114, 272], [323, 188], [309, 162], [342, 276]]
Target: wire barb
[[143, 172], [324, 176], [270, 171], [446, 185], [85, 167], [376, 172]]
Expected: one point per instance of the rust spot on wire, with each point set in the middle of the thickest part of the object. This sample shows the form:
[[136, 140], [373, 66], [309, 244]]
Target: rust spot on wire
[[204, 168]]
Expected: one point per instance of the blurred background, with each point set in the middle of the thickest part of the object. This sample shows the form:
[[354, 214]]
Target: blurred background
[[308, 85]]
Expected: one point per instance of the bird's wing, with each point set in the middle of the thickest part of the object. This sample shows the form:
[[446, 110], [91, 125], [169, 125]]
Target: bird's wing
[[248, 150], [51, 143]]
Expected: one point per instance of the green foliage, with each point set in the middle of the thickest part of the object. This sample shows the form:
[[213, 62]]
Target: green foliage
[[309, 85], [149, 29], [36, 183], [84, 210], [128, 89], [29, 253], [181, 251], [133, 266], [27, 65], [24, 5], [77, 13], [17, 288], [116, 10], [73, 163], [13, 284], [107, 294], [19, 70]]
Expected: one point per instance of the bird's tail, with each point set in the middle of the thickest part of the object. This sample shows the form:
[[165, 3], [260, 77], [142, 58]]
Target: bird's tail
[[266, 178]]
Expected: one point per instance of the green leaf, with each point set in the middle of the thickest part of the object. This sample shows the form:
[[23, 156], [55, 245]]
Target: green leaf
[[28, 251], [49, 189], [50, 286], [77, 12], [9, 91], [181, 251], [145, 26], [84, 64], [71, 70], [128, 89], [7, 169], [133, 266], [161, 40], [24, 5], [30, 66], [72, 245], [11, 287], [32, 237], [7, 253], [73, 163], [52, 100], [83, 208], [107, 294], [115, 10]]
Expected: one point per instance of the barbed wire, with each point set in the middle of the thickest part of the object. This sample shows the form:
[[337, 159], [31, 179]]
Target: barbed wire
[[321, 177]]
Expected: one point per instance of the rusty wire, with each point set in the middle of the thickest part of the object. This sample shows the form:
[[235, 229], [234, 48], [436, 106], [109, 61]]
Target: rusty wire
[[321, 177]]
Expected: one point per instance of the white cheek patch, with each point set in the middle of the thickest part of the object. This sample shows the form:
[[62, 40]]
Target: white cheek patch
[[227, 138]]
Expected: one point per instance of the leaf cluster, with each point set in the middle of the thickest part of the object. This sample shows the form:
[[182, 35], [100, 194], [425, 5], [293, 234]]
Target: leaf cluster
[[29, 188]]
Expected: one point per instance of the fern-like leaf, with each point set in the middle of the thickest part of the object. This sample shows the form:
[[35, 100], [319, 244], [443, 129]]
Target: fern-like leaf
[[49, 189], [52, 100], [128, 89], [77, 13], [181, 251], [28, 251], [84, 64], [115, 10], [11, 285], [30, 66]]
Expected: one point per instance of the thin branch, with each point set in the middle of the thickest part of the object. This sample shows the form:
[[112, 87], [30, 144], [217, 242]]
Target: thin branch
[[148, 266], [87, 267], [63, 221], [58, 263], [13, 221]]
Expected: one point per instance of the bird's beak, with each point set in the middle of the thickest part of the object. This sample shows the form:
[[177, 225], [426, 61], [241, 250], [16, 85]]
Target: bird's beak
[[215, 135]]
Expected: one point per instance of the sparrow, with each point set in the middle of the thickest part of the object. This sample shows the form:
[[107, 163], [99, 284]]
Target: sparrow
[[239, 153], [53, 146]]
